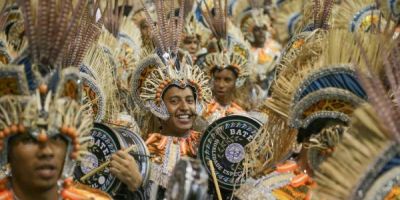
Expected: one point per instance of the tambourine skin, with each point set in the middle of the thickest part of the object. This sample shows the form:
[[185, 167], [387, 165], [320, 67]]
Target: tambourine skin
[[189, 181], [223, 143], [105, 142]]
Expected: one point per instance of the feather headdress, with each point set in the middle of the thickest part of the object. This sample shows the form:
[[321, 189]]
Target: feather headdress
[[288, 16], [231, 52], [316, 15], [42, 97], [372, 140], [155, 73], [249, 14], [359, 15]]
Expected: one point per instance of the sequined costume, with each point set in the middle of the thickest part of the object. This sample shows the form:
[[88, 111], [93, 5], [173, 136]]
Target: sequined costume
[[167, 151]]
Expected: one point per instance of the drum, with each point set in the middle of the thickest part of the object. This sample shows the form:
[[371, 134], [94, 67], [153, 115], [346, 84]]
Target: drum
[[105, 142], [189, 181], [224, 144]]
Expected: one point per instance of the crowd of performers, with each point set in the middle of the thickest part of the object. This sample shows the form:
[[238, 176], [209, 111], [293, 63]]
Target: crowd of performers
[[209, 99]]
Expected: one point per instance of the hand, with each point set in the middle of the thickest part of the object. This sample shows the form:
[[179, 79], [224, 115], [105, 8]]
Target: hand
[[125, 168]]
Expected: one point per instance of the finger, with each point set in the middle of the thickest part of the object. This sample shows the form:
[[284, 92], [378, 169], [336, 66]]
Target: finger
[[116, 164], [124, 155], [121, 160], [115, 172]]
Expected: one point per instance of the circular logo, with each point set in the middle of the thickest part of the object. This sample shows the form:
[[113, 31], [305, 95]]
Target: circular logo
[[104, 143], [234, 153], [223, 143], [91, 162]]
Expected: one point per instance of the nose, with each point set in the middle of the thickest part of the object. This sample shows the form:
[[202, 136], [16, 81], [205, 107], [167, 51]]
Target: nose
[[184, 106], [219, 85], [45, 150]]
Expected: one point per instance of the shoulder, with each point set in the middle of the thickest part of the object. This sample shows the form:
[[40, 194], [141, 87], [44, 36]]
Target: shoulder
[[84, 192]]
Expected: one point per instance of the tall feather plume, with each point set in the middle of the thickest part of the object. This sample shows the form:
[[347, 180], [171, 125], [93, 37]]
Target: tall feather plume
[[112, 15], [50, 26], [326, 13], [61, 24], [72, 28], [29, 28], [378, 96], [3, 13], [168, 28], [88, 31], [216, 18], [316, 9]]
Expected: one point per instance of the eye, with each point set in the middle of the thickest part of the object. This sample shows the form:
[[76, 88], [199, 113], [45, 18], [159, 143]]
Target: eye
[[173, 101], [27, 139], [190, 100], [228, 80], [57, 137]]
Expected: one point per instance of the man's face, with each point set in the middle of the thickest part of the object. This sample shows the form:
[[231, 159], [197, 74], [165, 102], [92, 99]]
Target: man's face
[[181, 106], [224, 83], [259, 35], [191, 44], [36, 166]]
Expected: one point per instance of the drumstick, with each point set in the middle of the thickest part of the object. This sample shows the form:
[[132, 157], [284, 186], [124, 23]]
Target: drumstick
[[104, 165], [215, 179]]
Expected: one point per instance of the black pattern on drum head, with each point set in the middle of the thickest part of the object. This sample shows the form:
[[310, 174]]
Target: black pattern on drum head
[[223, 142]]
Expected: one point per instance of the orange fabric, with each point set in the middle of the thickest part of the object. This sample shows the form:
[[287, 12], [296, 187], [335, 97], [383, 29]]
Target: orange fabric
[[156, 143], [83, 192], [214, 106], [289, 166], [74, 192]]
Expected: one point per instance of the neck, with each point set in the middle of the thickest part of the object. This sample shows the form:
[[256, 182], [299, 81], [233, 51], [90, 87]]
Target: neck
[[223, 101], [257, 44], [174, 134], [29, 193]]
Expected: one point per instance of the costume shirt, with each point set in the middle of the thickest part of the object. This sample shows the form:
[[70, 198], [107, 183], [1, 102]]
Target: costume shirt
[[215, 110], [167, 151]]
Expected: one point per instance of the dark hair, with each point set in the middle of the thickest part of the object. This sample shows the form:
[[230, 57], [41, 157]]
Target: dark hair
[[316, 126], [231, 68], [173, 85]]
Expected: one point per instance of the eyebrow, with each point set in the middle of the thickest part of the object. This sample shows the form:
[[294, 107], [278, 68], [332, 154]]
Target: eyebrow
[[180, 97]]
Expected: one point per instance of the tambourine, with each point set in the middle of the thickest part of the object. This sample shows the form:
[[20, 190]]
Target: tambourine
[[189, 181], [223, 143], [105, 142]]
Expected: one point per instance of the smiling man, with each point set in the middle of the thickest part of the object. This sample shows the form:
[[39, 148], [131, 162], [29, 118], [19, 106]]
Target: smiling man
[[174, 91]]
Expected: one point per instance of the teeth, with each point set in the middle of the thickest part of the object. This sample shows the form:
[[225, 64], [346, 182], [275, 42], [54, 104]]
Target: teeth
[[183, 116]]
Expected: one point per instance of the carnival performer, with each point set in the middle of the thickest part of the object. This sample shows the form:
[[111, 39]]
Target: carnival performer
[[42, 120], [191, 41], [174, 91], [256, 26], [227, 65]]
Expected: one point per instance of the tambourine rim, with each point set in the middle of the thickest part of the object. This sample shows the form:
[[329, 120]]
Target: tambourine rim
[[146, 151]]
